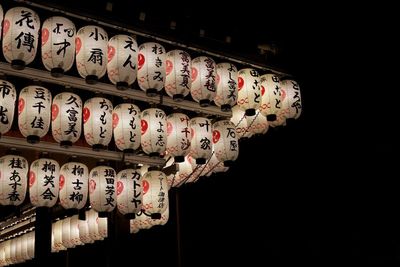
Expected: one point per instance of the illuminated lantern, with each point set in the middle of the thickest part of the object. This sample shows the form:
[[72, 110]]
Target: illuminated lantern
[[200, 146], [249, 92], [154, 132], [102, 185], [183, 171], [270, 96], [20, 36], [257, 124], [203, 88], [13, 179], [8, 95], [240, 122], [24, 240], [66, 118], [97, 122], [31, 244], [44, 176], [74, 178], [7, 252], [151, 68], [58, 45], [84, 231], [13, 250], [129, 191], [292, 102], [57, 230], [163, 220], [225, 142], [66, 233], [178, 81], [126, 119], [155, 193], [215, 165], [196, 170], [226, 96], [133, 227], [102, 223], [122, 60], [34, 112], [74, 231], [178, 136], [92, 219], [91, 53]]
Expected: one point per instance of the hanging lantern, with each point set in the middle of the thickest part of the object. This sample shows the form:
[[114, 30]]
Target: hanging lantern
[[66, 118], [249, 93], [13, 179], [178, 136], [133, 227], [155, 193], [20, 36], [270, 96], [154, 134], [91, 53], [203, 88], [34, 110], [283, 111], [257, 124], [129, 191], [122, 60], [215, 165], [92, 219], [163, 220], [66, 233], [200, 146], [57, 230], [58, 45], [240, 122], [225, 142], [292, 102], [196, 170], [126, 125], [184, 169], [97, 122], [31, 244], [74, 231], [84, 231], [8, 95], [44, 182], [102, 223], [226, 96], [74, 178], [24, 241], [151, 68], [178, 81], [102, 186]]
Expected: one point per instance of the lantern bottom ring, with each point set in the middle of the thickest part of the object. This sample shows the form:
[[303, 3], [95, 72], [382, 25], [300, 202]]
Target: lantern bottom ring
[[98, 147], [57, 72], [122, 86], [103, 214], [154, 154], [178, 97], [271, 117], [156, 216], [179, 158], [65, 144], [33, 139], [91, 79], [128, 151], [204, 103], [226, 107], [18, 64], [130, 216], [250, 112], [152, 92], [201, 161]]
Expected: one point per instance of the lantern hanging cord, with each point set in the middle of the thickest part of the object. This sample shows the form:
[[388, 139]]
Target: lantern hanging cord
[[190, 175], [205, 165], [248, 126]]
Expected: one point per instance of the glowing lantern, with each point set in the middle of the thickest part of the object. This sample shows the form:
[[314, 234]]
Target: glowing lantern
[[44, 182], [129, 191], [24, 240], [31, 244], [8, 95], [84, 231], [154, 136], [58, 45], [200, 146], [97, 122], [151, 68], [203, 88], [270, 96], [122, 60], [91, 53], [240, 122], [20, 36], [74, 178], [102, 223], [34, 112], [225, 141], [92, 219], [257, 124], [215, 165], [74, 231], [292, 102], [178, 81], [66, 233], [126, 125], [133, 227], [102, 185], [13, 179], [163, 220], [249, 93], [178, 136], [57, 230], [183, 172], [226, 96], [66, 118], [155, 193]]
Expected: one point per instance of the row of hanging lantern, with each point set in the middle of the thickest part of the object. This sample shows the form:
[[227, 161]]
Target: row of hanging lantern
[[18, 249]]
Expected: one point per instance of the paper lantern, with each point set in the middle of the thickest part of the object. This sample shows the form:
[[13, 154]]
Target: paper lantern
[[200, 146], [240, 122], [225, 142], [249, 93], [203, 88], [84, 231], [133, 227], [34, 112], [24, 248], [102, 185], [58, 45], [270, 96], [178, 81], [8, 95], [184, 169], [7, 252], [13, 179], [216, 166], [44, 182], [13, 251], [163, 220], [178, 136], [91, 53], [102, 222], [31, 244], [126, 125], [20, 36], [92, 218], [74, 231], [227, 92], [154, 132], [196, 170], [151, 68], [66, 118], [129, 191], [122, 61], [74, 178], [57, 231], [155, 193], [257, 124], [292, 102], [97, 122], [66, 233]]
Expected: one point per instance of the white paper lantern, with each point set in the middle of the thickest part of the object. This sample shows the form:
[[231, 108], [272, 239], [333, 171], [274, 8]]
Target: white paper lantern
[[249, 93], [7, 252], [178, 80], [91, 53], [84, 231], [58, 45], [127, 127], [225, 142], [155, 193], [74, 178], [24, 241], [66, 233], [283, 111], [154, 132], [34, 112], [216, 166], [184, 171], [240, 122], [13, 250], [20, 36], [133, 227], [102, 186], [151, 68], [57, 231], [129, 191], [270, 96], [97, 122], [44, 182], [197, 170], [163, 220], [8, 95], [74, 231], [31, 244], [178, 136], [257, 124], [227, 91], [292, 102], [203, 88], [66, 118], [102, 222], [201, 146], [122, 60], [13, 179], [92, 217]]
